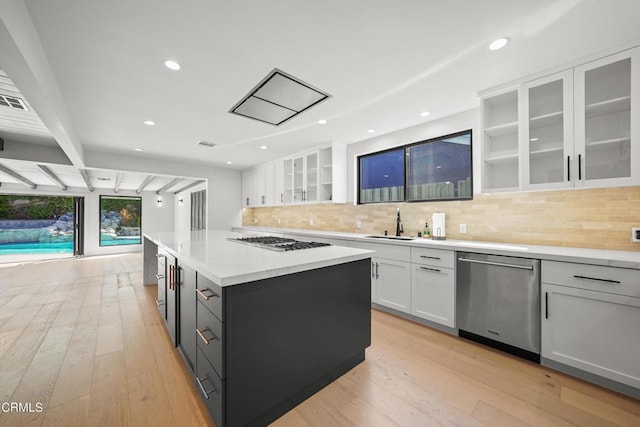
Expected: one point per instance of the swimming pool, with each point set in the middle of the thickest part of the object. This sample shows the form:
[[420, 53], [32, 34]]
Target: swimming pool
[[36, 248]]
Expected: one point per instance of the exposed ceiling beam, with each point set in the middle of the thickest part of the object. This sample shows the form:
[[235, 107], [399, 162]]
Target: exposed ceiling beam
[[186, 187], [24, 59], [87, 179], [53, 177], [116, 188], [171, 183], [146, 182], [17, 176]]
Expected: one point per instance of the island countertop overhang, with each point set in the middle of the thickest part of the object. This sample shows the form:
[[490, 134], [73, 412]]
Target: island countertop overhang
[[229, 263]]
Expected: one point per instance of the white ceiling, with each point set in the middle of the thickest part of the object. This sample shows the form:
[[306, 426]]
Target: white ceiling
[[93, 70]]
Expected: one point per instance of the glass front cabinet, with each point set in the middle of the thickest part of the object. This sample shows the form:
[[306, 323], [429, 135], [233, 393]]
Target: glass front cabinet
[[574, 128]]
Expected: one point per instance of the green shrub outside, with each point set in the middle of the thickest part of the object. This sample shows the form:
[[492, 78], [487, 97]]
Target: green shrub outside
[[35, 207]]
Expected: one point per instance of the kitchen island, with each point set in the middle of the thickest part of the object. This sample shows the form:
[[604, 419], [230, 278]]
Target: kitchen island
[[260, 330]]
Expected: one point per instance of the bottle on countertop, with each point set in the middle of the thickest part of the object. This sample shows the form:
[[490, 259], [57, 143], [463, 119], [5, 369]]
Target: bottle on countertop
[[425, 233]]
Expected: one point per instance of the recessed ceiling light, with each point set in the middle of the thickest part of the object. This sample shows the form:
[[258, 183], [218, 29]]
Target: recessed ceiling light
[[149, 123], [263, 147], [499, 43], [138, 149], [172, 65], [228, 162], [371, 130], [424, 114], [322, 121]]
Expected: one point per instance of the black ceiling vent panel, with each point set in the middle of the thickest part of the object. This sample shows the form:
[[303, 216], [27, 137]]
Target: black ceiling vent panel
[[278, 98]]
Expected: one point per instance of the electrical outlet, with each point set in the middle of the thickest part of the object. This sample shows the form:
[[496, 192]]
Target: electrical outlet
[[635, 234], [463, 228], [311, 222], [278, 221], [358, 224]]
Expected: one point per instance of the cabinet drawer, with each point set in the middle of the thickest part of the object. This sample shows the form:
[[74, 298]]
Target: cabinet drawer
[[210, 387], [210, 295], [209, 338], [435, 257], [613, 280], [387, 251]]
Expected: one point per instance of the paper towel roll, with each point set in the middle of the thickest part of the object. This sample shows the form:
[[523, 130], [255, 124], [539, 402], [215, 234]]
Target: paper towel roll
[[438, 226]]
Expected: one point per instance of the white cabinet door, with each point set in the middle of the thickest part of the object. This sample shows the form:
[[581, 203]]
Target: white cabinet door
[[594, 331], [546, 137], [278, 183], [288, 181], [393, 284], [607, 101], [251, 188], [433, 293], [311, 178], [269, 184]]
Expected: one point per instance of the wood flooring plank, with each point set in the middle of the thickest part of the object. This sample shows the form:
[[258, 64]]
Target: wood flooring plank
[[149, 403], [602, 410], [491, 416], [73, 413]]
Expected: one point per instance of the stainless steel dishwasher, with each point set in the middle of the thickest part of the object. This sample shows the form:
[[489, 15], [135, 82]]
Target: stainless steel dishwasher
[[498, 302]]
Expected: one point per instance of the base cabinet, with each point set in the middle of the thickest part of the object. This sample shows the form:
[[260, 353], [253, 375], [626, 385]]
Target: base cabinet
[[593, 331], [433, 294], [590, 316], [391, 284], [161, 278]]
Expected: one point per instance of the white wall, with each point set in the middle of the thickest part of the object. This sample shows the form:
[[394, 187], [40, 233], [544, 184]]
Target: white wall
[[447, 125], [182, 213], [224, 186], [154, 218]]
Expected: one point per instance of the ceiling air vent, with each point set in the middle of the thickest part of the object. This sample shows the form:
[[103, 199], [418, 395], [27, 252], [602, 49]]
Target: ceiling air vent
[[13, 102], [278, 98], [206, 144]]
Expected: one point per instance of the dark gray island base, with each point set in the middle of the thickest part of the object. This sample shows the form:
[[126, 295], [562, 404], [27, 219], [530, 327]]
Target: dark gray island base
[[257, 348], [288, 337]]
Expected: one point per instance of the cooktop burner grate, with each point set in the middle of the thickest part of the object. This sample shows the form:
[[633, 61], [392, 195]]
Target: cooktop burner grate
[[281, 244]]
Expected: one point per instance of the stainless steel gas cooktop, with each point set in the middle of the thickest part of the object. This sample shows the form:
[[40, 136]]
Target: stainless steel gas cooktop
[[274, 243]]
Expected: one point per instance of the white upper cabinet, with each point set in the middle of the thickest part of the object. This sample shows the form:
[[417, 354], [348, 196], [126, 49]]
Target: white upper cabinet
[[570, 129], [317, 176], [607, 119], [546, 137], [500, 153]]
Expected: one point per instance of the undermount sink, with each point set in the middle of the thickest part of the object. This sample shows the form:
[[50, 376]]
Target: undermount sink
[[391, 237]]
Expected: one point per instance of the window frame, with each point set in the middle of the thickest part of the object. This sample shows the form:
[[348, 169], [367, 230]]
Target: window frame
[[100, 198], [405, 149]]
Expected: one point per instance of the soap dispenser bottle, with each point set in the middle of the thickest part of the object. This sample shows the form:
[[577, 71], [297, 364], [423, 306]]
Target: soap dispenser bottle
[[426, 233]]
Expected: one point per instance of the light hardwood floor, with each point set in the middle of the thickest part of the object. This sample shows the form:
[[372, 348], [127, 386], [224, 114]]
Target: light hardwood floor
[[83, 337]]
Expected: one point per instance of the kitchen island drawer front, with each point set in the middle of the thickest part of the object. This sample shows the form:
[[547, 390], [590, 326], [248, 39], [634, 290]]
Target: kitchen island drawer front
[[436, 257], [210, 295], [210, 387], [613, 280], [209, 338], [385, 250]]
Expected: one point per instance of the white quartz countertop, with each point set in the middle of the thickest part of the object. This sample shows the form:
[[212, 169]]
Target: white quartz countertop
[[623, 259], [228, 263]]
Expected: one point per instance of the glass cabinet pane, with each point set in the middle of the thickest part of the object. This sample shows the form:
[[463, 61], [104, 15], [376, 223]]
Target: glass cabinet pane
[[311, 192], [546, 133], [288, 181], [382, 177], [607, 121], [298, 179]]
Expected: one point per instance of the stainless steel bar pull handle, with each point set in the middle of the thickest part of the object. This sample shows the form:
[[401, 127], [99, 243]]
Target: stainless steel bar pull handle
[[377, 270], [568, 168], [499, 264], [159, 303], [430, 269], [597, 279], [159, 276], [205, 392], [430, 257]]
